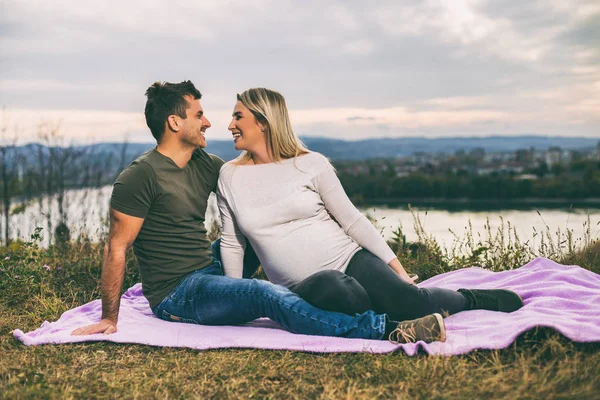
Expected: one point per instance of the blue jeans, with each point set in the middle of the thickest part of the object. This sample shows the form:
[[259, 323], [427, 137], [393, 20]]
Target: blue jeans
[[207, 297]]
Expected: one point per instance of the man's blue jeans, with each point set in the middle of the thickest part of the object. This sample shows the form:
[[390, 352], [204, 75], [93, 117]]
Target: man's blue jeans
[[207, 297]]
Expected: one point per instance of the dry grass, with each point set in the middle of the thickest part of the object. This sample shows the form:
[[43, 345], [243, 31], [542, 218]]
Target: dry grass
[[540, 364]]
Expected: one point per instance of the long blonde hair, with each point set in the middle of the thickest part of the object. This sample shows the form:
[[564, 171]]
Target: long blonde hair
[[269, 109]]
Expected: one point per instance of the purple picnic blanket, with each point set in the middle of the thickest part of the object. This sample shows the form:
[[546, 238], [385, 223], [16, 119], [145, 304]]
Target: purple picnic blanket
[[563, 297]]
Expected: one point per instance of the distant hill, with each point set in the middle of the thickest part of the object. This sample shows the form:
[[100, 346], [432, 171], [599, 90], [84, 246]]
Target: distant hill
[[397, 147], [362, 149], [402, 147]]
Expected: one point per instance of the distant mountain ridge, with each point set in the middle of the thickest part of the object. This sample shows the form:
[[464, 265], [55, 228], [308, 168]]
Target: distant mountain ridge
[[337, 149], [403, 147]]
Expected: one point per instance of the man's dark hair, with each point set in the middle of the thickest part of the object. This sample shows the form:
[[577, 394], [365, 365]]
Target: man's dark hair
[[166, 99]]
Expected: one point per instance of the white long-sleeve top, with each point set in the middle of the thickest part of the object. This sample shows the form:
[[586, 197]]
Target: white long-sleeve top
[[283, 209]]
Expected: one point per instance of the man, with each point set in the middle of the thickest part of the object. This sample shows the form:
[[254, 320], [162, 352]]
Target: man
[[158, 205]]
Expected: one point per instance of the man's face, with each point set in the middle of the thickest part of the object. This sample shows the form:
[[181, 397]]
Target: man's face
[[195, 125]]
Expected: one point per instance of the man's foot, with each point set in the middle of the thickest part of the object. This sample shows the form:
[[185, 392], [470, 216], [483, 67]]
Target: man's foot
[[429, 329], [492, 299]]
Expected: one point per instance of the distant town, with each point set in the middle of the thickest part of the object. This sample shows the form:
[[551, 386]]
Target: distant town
[[528, 164], [553, 175], [398, 169]]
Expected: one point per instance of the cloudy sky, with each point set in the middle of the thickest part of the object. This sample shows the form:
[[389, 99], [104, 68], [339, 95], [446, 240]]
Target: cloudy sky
[[349, 69]]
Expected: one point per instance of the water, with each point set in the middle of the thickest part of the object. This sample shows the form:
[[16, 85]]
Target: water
[[445, 226], [87, 211]]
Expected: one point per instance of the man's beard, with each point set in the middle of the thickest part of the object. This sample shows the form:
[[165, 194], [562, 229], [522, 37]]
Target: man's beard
[[197, 140]]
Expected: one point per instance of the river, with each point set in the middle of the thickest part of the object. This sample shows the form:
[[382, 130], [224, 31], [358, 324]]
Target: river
[[446, 226], [87, 211]]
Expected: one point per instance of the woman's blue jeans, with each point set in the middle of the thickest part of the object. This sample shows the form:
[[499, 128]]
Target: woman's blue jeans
[[207, 297]]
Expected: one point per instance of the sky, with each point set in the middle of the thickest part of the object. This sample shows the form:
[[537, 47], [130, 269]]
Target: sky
[[348, 69]]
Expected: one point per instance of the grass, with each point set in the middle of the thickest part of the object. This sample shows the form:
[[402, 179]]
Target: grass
[[39, 284]]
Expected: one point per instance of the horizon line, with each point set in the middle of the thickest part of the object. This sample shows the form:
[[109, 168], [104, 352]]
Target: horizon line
[[530, 136]]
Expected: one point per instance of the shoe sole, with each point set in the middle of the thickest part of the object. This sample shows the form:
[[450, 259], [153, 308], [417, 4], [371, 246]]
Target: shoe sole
[[442, 325]]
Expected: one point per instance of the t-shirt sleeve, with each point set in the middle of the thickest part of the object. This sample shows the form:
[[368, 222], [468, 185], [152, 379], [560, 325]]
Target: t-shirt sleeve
[[134, 190], [352, 221]]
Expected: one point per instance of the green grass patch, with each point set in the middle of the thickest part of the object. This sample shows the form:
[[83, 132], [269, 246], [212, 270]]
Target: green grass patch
[[39, 284]]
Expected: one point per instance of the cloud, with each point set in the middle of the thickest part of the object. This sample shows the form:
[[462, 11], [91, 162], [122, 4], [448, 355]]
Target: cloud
[[80, 126], [425, 67], [15, 85], [454, 103], [399, 117], [79, 23], [357, 118]]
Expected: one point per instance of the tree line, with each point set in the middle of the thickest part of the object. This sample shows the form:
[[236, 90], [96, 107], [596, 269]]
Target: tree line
[[43, 172], [576, 180]]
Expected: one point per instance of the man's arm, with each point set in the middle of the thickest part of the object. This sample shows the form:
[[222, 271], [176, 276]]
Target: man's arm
[[123, 231]]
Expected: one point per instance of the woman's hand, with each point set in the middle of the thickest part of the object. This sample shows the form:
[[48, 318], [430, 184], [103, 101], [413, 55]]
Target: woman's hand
[[396, 266]]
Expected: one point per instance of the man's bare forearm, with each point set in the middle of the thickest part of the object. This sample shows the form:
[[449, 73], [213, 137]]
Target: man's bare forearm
[[113, 271], [122, 234]]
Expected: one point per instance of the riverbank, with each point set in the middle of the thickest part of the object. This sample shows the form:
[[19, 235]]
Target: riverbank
[[480, 204]]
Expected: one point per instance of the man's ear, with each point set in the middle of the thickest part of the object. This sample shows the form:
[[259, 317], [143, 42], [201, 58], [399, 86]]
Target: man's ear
[[173, 123]]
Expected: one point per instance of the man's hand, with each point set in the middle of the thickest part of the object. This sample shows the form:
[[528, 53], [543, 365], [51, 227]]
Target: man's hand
[[105, 326]]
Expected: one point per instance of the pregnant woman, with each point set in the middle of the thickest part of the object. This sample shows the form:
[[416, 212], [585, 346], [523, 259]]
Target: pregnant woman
[[289, 205]]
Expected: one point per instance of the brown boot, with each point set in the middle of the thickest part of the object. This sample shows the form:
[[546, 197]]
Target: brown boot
[[429, 329]]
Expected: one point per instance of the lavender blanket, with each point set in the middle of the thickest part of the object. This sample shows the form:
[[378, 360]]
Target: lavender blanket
[[566, 298]]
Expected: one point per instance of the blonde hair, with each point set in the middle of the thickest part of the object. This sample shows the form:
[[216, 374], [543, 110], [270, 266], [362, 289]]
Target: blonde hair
[[269, 109]]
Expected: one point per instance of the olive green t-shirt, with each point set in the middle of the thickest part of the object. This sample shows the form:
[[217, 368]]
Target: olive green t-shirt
[[172, 241]]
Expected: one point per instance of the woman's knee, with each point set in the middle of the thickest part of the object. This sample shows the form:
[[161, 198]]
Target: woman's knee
[[329, 281], [334, 291], [329, 276]]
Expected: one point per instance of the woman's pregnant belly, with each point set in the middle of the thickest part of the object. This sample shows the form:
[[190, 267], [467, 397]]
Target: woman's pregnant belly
[[292, 253]]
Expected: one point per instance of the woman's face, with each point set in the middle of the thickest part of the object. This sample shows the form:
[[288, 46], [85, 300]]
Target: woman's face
[[246, 130]]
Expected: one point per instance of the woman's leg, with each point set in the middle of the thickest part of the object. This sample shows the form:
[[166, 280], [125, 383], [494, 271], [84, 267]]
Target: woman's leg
[[206, 297], [399, 299], [334, 291], [328, 290]]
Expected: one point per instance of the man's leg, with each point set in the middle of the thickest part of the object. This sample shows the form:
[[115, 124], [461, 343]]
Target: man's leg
[[208, 298]]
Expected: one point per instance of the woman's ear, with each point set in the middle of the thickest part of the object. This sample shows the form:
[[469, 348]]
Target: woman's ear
[[173, 123], [264, 126]]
